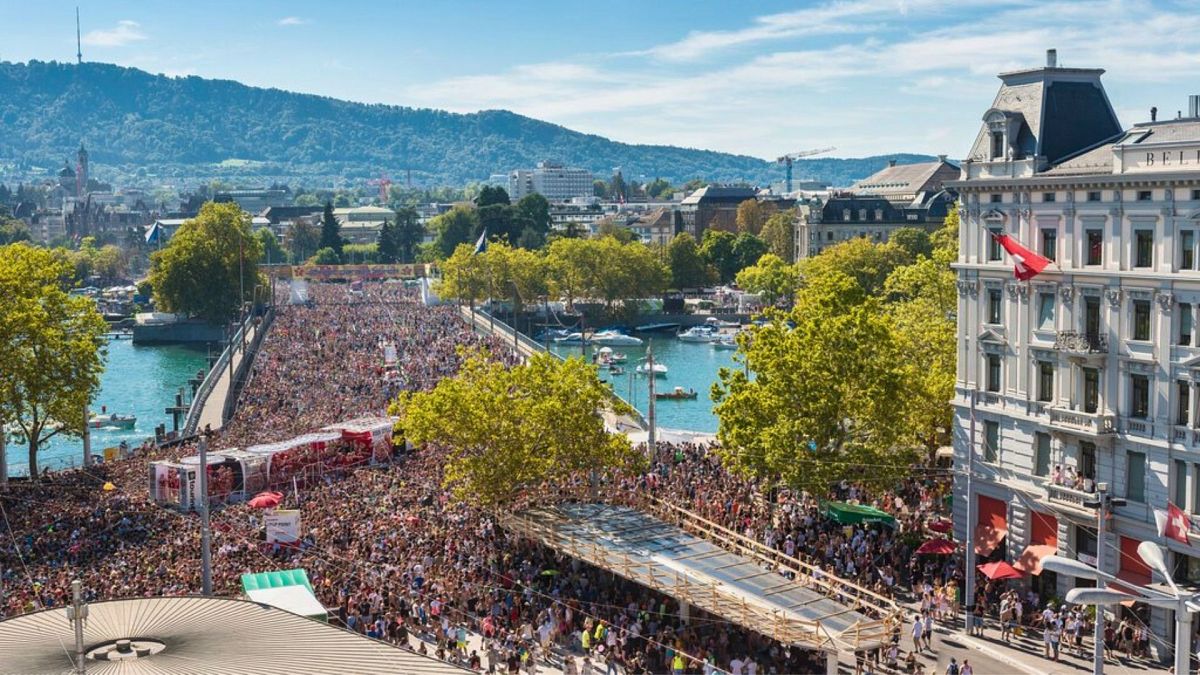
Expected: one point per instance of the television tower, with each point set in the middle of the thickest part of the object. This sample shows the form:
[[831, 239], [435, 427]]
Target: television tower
[[78, 42]]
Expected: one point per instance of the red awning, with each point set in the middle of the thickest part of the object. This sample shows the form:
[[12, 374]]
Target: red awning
[[937, 547], [1031, 558], [1044, 531], [999, 570], [991, 526], [1133, 568]]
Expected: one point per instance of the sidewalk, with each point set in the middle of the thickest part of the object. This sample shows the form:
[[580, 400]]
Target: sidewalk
[[214, 406]]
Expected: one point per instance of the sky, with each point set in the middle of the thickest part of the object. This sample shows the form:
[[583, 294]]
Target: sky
[[760, 78]]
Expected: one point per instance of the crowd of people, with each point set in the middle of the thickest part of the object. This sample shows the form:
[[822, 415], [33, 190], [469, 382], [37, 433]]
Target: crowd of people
[[396, 559]]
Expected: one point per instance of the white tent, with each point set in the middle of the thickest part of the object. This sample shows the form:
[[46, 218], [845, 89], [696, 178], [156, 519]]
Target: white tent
[[295, 599]]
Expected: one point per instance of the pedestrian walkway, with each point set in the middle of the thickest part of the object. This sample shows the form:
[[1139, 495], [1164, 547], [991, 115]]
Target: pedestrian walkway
[[211, 416]]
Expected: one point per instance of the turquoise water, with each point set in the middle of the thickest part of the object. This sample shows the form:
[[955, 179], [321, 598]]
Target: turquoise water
[[689, 365], [141, 380]]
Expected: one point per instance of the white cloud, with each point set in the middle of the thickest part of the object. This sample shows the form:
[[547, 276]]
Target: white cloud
[[124, 33], [292, 21]]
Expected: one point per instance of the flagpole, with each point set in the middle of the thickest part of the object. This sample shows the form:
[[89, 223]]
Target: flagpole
[[969, 572]]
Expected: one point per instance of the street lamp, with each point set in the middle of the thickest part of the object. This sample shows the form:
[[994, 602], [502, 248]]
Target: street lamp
[[1152, 555]]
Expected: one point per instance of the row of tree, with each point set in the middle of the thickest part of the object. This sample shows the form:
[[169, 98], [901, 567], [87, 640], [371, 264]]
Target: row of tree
[[855, 379]]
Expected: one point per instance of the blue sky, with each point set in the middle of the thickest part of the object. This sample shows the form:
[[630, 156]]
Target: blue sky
[[759, 78]]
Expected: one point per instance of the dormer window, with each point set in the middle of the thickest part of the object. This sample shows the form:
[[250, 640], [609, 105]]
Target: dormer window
[[997, 145]]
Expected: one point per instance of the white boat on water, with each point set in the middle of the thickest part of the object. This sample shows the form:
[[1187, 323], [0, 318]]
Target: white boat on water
[[570, 339], [615, 338], [697, 334], [659, 369], [726, 341], [113, 421], [717, 323]]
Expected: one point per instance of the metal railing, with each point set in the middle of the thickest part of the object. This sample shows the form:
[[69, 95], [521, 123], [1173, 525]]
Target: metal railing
[[1077, 342], [243, 367], [200, 399]]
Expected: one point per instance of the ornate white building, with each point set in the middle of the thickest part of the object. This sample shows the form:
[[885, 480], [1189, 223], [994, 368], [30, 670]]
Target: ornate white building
[[1091, 368]]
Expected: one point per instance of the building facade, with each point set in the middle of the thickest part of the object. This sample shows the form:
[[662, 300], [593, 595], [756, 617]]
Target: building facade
[[1089, 373], [555, 182], [713, 206], [905, 195]]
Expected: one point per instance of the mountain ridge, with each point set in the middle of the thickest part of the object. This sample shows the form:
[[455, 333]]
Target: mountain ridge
[[131, 119]]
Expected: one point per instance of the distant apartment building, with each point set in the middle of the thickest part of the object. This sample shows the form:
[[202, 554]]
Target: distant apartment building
[[361, 225], [254, 201], [1088, 373], [555, 182], [900, 195], [712, 206], [654, 226]]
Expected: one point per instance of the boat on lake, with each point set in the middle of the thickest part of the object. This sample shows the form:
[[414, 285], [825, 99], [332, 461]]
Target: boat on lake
[[112, 421], [659, 369], [571, 339], [726, 341], [678, 394], [717, 323], [615, 338], [697, 334]]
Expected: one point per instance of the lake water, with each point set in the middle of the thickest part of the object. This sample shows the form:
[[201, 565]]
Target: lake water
[[141, 380], [689, 365]]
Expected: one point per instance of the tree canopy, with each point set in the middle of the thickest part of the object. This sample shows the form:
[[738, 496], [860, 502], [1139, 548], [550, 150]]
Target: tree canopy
[[454, 227], [211, 258], [779, 233], [688, 267], [331, 231], [775, 279], [50, 345], [510, 430]]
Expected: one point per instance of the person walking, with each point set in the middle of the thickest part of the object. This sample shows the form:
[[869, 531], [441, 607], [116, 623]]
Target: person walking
[[918, 629]]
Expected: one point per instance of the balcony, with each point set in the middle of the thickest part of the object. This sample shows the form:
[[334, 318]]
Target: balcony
[[1138, 427], [1070, 497], [1088, 424], [1082, 344]]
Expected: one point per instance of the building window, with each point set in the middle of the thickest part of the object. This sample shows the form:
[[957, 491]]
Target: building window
[[1180, 483], [997, 145], [1087, 460], [1093, 196], [1145, 195], [1091, 390], [1095, 247], [1144, 255], [1135, 474], [1187, 250], [1195, 194], [1046, 311], [1041, 463], [996, 198], [993, 373], [1185, 324], [1045, 392], [829, 236], [1139, 396], [1183, 410], [1048, 196], [846, 215], [1141, 319], [1085, 543], [862, 214], [995, 300], [994, 250], [1050, 243], [878, 214], [991, 441]]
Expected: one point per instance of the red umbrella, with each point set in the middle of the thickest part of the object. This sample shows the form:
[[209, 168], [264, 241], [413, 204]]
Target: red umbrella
[[937, 547], [1000, 570], [941, 526], [266, 500]]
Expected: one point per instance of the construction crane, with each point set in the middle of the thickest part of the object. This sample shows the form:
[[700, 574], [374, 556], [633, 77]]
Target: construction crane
[[788, 159], [384, 182]]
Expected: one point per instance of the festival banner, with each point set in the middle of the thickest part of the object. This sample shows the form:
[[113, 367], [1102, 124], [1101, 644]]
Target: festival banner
[[283, 526]]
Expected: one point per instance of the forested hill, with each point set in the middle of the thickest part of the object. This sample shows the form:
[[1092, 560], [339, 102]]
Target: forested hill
[[134, 121]]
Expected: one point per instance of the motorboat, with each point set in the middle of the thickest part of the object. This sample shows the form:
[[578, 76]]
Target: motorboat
[[725, 341], [571, 339], [678, 394], [112, 421], [697, 334], [659, 369], [717, 323], [615, 338]]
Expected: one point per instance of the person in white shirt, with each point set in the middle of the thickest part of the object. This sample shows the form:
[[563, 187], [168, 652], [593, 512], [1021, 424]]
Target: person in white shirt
[[917, 631], [751, 666], [735, 666]]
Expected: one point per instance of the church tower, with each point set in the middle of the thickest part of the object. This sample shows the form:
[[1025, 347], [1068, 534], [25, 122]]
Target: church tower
[[81, 172]]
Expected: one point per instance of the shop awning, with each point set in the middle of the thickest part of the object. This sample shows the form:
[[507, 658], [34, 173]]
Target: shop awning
[[992, 525], [853, 514], [1031, 558], [1043, 541]]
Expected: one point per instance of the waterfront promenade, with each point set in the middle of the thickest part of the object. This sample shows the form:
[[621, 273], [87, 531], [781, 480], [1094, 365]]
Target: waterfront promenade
[[212, 413]]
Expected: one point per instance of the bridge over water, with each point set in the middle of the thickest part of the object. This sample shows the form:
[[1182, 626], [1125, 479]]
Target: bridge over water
[[700, 563]]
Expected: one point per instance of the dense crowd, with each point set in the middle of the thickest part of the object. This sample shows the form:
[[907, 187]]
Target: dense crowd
[[396, 559]]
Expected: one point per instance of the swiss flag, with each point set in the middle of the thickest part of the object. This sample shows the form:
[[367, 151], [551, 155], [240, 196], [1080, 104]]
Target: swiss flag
[[1026, 263], [1177, 524]]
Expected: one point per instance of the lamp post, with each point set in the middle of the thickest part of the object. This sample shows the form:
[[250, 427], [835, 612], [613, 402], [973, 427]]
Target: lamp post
[[1151, 554]]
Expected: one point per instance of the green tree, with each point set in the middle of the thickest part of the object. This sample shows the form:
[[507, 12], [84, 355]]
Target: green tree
[[510, 430], [913, 241], [497, 220], [609, 229], [717, 249], [687, 265], [13, 230], [197, 273], [409, 234], [491, 195], [751, 214], [360, 254], [600, 188], [779, 232], [303, 240], [464, 276], [827, 399], [273, 253], [454, 227], [946, 238], [531, 239], [331, 231], [388, 248], [617, 188], [533, 211], [771, 276], [573, 265], [325, 256], [868, 263], [747, 249], [659, 189], [50, 345]]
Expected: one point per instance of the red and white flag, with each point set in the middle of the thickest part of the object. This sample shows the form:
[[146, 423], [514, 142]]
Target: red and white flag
[[1026, 263], [1173, 523]]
